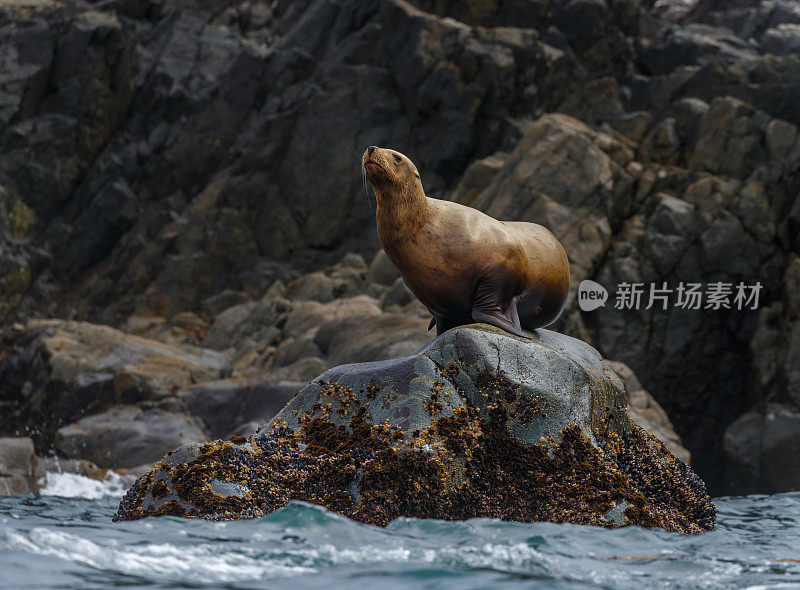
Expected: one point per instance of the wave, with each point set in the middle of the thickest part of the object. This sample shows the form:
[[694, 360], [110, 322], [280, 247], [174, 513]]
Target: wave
[[72, 485]]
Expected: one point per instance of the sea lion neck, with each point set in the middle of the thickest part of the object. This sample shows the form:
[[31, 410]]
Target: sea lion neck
[[401, 213]]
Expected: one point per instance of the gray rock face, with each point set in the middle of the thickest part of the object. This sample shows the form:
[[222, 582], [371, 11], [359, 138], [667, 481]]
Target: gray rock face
[[225, 405], [177, 175], [493, 425], [764, 447], [648, 413], [127, 436], [59, 371]]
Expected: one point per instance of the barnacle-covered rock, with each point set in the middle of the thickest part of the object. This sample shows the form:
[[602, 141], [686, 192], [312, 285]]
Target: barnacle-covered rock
[[479, 423]]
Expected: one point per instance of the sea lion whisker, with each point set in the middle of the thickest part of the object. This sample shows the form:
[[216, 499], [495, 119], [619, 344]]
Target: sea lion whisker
[[366, 190]]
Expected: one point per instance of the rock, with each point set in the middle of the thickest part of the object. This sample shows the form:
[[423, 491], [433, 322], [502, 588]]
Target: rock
[[634, 126], [56, 372], [598, 101], [382, 270], [302, 370], [688, 112], [248, 330], [277, 290], [353, 261], [17, 467], [474, 181], [729, 137], [293, 349], [158, 143], [695, 44], [225, 405], [647, 413], [355, 339], [398, 294], [479, 423], [663, 144], [701, 235], [780, 137], [763, 447], [315, 286], [583, 21], [159, 161], [218, 303], [127, 436], [307, 315], [782, 40]]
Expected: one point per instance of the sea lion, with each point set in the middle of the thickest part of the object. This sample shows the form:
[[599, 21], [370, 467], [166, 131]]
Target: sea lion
[[463, 265]]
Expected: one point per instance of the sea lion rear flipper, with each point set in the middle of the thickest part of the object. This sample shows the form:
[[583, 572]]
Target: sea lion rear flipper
[[432, 324], [487, 303], [499, 320]]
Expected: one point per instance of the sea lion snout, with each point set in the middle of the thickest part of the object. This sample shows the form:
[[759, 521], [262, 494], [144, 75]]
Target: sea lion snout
[[384, 165], [376, 166]]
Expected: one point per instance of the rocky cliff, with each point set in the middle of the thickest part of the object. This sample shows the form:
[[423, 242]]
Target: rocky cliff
[[188, 172]]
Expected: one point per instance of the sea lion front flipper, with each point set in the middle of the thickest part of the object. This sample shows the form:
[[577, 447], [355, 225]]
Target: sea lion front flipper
[[432, 324]]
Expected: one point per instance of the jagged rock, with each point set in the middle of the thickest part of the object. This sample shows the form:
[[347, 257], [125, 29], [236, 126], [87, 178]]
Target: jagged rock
[[695, 44], [663, 144], [55, 372], [247, 331], [186, 196], [307, 315], [648, 413], [763, 447], [478, 423], [398, 294], [382, 270], [226, 405], [688, 113], [729, 137], [475, 179], [315, 286], [716, 230], [354, 340], [782, 40], [634, 126], [597, 102], [218, 303], [17, 466], [127, 436]]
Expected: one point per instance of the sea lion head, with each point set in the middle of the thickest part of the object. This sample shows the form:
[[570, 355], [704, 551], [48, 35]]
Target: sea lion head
[[390, 170]]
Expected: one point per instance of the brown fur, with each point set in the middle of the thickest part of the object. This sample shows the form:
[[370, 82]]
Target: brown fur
[[463, 265]]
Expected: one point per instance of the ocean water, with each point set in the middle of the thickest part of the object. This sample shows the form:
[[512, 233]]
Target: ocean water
[[65, 539]]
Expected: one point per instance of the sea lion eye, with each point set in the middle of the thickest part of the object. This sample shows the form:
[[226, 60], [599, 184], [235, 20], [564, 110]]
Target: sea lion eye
[[397, 158]]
